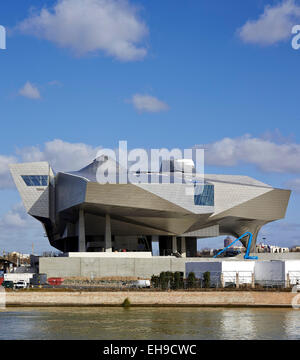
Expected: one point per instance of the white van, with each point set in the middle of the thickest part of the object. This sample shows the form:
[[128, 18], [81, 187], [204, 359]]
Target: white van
[[141, 284]]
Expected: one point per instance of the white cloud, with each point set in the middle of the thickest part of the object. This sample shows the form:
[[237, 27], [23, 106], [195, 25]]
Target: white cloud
[[5, 178], [85, 26], [30, 91], [274, 25], [18, 230], [15, 218], [62, 155], [266, 155], [293, 184], [55, 83], [148, 103]]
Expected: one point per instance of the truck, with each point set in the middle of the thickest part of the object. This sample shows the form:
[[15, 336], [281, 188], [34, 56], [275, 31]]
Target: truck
[[21, 284], [15, 277], [141, 284], [8, 284]]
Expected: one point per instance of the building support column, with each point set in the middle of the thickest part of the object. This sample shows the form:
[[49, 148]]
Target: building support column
[[183, 247], [237, 280], [155, 245], [81, 232], [288, 282], [222, 280], [252, 281], [108, 247], [174, 244]]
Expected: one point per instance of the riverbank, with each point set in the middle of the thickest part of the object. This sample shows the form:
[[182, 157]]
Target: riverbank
[[152, 299]]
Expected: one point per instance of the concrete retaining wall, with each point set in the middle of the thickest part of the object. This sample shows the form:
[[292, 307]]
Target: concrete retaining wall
[[151, 298], [135, 267], [109, 267]]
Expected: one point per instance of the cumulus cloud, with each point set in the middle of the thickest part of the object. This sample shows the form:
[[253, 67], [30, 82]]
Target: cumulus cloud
[[293, 184], [19, 230], [84, 26], [266, 155], [16, 218], [274, 25], [147, 103], [30, 91], [5, 178], [62, 155]]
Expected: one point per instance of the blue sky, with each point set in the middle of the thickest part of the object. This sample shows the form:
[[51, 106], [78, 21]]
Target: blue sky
[[157, 74]]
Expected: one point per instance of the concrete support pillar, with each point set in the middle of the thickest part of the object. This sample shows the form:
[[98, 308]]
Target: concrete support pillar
[[81, 232], [237, 280], [288, 283], [155, 245], [174, 244], [183, 247], [254, 229], [222, 280], [108, 247], [253, 281]]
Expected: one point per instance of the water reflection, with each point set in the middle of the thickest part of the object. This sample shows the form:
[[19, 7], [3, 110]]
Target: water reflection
[[149, 323], [238, 324], [292, 324]]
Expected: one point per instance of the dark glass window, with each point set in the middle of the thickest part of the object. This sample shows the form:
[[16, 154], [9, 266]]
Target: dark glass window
[[35, 180], [204, 195]]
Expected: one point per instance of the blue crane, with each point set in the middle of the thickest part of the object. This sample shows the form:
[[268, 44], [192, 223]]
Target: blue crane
[[246, 256]]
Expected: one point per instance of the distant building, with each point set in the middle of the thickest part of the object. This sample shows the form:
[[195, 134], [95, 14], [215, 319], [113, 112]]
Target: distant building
[[277, 249], [263, 248], [295, 249]]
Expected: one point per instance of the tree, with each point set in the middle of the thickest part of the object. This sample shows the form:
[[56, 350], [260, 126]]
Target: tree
[[206, 279], [178, 280], [191, 279]]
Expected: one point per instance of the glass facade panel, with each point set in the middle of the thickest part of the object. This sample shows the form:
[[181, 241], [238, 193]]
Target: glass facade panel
[[204, 195], [35, 180]]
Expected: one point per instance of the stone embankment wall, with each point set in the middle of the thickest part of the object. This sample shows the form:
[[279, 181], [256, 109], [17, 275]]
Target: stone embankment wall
[[151, 298]]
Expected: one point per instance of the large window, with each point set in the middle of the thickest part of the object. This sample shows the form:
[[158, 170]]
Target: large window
[[35, 180], [204, 195]]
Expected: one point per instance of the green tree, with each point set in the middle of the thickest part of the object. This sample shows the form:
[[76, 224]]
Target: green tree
[[178, 280], [191, 280], [163, 280], [206, 279], [155, 281]]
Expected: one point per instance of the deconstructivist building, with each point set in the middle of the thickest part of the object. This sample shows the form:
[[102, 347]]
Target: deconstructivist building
[[80, 214]]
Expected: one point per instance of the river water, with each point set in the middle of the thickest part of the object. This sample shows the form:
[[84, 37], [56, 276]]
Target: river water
[[148, 323]]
